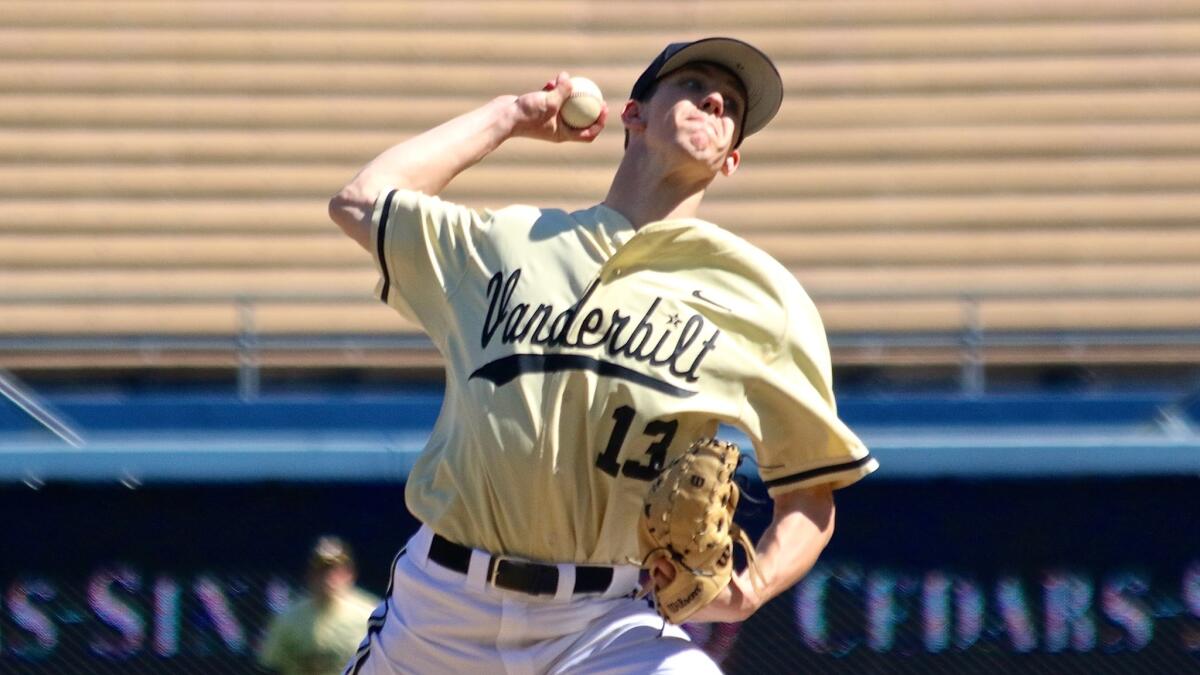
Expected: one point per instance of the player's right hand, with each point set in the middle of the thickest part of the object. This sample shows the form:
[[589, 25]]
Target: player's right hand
[[537, 114]]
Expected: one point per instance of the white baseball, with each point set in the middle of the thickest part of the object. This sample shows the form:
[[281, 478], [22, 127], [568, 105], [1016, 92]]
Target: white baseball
[[582, 108]]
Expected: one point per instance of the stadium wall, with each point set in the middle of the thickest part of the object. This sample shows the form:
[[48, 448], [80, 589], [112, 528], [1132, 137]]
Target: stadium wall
[[1066, 575]]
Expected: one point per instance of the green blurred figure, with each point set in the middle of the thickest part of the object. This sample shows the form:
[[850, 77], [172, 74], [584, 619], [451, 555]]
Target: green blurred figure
[[318, 634]]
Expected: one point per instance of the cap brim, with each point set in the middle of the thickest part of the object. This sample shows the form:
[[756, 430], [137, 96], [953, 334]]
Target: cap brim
[[764, 86]]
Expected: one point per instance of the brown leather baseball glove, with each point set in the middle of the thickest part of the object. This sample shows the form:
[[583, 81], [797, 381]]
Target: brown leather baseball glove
[[687, 522]]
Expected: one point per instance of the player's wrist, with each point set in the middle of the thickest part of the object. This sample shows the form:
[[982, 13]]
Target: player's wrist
[[746, 600], [729, 607], [532, 116], [507, 117]]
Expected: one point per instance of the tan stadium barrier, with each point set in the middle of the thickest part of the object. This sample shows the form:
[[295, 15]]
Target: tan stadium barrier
[[936, 167]]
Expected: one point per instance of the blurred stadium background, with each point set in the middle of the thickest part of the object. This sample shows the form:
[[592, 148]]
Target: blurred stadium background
[[996, 206]]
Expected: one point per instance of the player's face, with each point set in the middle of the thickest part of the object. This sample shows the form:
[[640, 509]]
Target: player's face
[[328, 582], [697, 110]]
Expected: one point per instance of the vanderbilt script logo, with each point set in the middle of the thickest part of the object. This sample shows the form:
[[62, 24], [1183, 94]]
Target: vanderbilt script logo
[[595, 331]]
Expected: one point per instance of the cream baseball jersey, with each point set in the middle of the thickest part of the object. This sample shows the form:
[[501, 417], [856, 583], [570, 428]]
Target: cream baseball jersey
[[582, 356]]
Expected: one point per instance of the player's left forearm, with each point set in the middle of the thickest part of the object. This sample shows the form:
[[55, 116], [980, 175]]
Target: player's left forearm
[[800, 529]]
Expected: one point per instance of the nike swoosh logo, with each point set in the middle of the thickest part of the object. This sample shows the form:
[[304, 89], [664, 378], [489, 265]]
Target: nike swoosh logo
[[710, 301]]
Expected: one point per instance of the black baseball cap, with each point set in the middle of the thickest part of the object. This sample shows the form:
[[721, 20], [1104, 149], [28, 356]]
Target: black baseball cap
[[759, 76]]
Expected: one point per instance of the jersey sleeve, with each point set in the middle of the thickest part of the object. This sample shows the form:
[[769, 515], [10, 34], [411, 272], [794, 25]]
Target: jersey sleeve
[[791, 414], [421, 246]]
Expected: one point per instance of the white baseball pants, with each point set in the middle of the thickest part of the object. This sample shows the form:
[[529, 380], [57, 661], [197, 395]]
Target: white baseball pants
[[435, 620]]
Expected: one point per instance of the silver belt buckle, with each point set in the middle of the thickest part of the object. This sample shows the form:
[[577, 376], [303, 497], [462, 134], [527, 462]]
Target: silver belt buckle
[[494, 563]]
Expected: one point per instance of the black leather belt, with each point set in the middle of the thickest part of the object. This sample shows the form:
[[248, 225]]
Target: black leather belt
[[520, 575]]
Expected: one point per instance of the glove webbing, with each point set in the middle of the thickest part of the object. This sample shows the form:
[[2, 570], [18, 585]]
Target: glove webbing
[[735, 531]]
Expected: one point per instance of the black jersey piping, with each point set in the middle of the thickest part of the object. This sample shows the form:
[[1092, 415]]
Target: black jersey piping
[[816, 473], [380, 239]]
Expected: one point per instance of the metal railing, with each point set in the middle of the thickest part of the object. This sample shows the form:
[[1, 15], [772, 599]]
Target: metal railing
[[970, 338]]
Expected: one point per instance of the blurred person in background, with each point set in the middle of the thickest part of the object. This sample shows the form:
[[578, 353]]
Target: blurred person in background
[[319, 633]]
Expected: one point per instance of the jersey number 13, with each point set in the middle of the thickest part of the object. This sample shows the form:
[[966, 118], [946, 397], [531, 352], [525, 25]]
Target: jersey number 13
[[662, 431]]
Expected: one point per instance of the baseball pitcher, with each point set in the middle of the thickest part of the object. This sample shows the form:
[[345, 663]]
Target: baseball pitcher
[[588, 353]]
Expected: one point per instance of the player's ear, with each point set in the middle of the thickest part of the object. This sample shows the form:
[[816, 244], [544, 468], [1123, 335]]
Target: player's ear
[[732, 161], [632, 116]]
